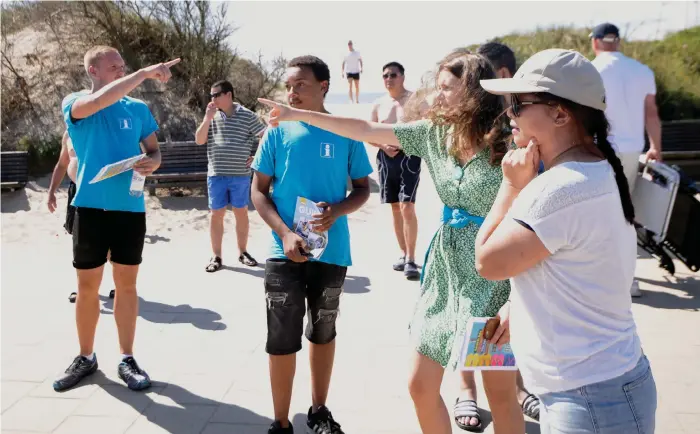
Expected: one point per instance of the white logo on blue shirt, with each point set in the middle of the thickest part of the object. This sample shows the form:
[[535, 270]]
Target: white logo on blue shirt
[[125, 123], [327, 150]]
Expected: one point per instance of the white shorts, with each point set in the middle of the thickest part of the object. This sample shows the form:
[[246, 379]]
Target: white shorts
[[630, 165]]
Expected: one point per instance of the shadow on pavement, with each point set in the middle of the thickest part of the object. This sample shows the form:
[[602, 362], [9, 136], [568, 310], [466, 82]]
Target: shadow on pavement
[[185, 412], [356, 284], [152, 239], [201, 318], [177, 201], [257, 271], [14, 201], [688, 284]]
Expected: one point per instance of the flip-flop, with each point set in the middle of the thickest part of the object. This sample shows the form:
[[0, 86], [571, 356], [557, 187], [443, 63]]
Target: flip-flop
[[248, 260], [214, 265], [531, 407], [467, 408]]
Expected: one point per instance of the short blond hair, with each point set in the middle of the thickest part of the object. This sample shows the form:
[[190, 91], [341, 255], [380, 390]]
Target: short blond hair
[[95, 53]]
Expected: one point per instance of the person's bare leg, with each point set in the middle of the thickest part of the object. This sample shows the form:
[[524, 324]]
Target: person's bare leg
[[87, 307], [398, 227], [126, 305], [410, 229], [533, 407], [350, 89], [242, 228], [467, 391], [424, 386], [216, 230], [500, 391], [321, 360], [357, 91], [521, 390], [282, 369]]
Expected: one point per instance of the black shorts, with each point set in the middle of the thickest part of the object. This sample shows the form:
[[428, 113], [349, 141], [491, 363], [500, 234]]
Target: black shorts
[[288, 287], [97, 232], [70, 209], [353, 76], [398, 177]]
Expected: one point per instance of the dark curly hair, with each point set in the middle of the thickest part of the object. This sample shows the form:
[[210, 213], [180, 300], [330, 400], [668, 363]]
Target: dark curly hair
[[316, 65], [477, 119]]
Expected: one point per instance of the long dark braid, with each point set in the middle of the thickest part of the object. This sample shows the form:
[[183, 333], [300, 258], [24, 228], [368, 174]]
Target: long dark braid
[[595, 125]]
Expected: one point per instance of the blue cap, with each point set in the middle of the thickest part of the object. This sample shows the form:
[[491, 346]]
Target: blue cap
[[602, 30]]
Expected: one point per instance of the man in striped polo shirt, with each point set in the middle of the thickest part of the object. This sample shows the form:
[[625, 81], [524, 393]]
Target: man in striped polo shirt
[[231, 132]]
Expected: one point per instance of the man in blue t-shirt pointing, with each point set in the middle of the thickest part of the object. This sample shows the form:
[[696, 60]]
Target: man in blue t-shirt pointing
[[106, 126], [299, 160]]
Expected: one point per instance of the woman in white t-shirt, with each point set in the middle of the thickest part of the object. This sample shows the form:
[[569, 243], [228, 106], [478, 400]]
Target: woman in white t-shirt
[[566, 240]]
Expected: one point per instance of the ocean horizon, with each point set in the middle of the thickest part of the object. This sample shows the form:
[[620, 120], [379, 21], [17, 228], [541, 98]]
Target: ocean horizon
[[343, 98]]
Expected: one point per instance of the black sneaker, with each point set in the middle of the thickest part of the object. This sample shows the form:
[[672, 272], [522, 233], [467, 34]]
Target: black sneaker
[[410, 270], [399, 265], [134, 377], [79, 369], [276, 428], [322, 422]]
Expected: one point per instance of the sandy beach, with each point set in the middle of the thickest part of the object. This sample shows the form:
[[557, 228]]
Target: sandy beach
[[201, 336]]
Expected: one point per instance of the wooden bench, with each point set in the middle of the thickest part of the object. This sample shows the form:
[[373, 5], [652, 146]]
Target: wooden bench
[[680, 146], [183, 164], [14, 169]]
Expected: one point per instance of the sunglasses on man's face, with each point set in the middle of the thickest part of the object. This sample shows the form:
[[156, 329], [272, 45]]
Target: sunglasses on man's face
[[217, 94], [517, 106], [391, 75]]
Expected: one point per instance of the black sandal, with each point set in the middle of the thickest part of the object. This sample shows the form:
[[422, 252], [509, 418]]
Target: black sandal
[[467, 408], [248, 260], [531, 407], [214, 264]]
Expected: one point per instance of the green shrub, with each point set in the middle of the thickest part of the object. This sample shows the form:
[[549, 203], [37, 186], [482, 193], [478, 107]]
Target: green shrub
[[43, 153]]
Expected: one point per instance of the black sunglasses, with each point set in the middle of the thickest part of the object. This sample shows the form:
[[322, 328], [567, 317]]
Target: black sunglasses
[[517, 106], [392, 75], [217, 94]]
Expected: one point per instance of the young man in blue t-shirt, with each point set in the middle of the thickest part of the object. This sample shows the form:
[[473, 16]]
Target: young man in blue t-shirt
[[299, 160], [106, 126]]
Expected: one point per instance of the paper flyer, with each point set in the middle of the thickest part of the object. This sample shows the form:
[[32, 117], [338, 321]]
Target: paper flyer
[[480, 355], [316, 241], [114, 169]]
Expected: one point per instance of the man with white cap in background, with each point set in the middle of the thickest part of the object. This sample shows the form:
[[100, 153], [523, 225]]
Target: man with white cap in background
[[630, 94]]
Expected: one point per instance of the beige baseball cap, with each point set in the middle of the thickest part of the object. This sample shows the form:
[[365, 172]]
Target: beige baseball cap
[[563, 73]]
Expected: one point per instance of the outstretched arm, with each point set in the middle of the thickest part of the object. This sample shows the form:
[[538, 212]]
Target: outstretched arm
[[88, 105], [356, 129]]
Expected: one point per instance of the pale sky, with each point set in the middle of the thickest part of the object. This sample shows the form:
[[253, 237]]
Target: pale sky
[[418, 34]]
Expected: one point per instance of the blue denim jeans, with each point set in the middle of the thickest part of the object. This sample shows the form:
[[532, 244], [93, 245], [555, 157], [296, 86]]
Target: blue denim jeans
[[623, 405]]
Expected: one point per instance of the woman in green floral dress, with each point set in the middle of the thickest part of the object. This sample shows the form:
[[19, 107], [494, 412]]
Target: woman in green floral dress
[[462, 142]]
